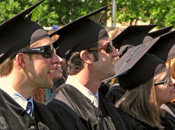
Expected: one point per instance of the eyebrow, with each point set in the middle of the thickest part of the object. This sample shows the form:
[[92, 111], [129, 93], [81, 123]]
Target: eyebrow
[[167, 74]]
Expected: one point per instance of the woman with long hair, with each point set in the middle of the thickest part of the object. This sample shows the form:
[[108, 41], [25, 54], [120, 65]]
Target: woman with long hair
[[149, 85], [170, 106]]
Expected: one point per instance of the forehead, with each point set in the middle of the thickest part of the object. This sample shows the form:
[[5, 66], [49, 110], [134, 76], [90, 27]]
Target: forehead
[[42, 42], [162, 75], [104, 40]]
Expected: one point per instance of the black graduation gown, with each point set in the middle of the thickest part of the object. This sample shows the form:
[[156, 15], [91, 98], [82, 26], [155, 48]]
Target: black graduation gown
[[104, 88], [93, 118], [115, 93], [14, 117], [133, 124], [168, 121], [171, 107], [66, 117]]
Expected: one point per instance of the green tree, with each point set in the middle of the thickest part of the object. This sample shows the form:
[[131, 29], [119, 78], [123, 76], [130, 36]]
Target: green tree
[[160, 12], [51, 12]]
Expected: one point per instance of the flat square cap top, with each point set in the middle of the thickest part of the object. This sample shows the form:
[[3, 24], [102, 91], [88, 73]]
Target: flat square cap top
[[19, 32], [137, 65], [80, 34], [135, 35]]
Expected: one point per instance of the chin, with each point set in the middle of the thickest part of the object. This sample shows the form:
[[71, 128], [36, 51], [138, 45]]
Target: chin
[[49, 84], [112, 74], [108, 76], [57, 77]]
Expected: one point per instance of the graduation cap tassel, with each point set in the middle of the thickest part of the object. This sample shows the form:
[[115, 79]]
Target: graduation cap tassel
[[100, 20]]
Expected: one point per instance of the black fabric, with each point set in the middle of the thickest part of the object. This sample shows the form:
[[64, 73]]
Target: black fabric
[[168, 121], [83, 107], [59, 82], [165, 48], [104, 88], [136, 34], [159, 32], [115, 93], [171, 107], [148, 67], [133, 124], [14, 117], [66, 117], [133, 35]]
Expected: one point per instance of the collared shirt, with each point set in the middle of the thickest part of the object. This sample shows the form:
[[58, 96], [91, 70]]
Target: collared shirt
[[15, 95], [75, 83]]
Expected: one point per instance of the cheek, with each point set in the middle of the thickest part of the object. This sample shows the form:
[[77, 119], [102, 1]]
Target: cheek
[[41, 66], [161, 89], [163, 92]]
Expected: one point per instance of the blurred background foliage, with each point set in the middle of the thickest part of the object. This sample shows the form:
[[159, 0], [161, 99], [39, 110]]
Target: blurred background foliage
[[61, 12]]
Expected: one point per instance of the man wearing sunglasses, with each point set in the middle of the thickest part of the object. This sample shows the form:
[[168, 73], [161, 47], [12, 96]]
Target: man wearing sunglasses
[[27, 60], [89, 52]]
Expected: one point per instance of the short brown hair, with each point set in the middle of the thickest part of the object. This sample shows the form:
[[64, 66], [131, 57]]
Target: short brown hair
[[6, 67], [75, 63]]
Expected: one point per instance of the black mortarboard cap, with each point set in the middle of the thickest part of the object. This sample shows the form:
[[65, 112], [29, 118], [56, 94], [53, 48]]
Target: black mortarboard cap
[[144, 70], [135, 35], [80, 34], [160, 31], [165, 49], [136, 66], [19, 32]]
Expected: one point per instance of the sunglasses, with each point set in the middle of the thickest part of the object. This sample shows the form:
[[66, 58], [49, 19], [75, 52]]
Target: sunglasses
[[108, 47], [46, 51], [165, 81]]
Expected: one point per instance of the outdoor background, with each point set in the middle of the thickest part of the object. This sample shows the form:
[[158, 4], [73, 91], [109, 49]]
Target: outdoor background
[[61, 12]]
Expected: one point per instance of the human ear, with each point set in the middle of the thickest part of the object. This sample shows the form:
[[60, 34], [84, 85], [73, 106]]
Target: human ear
[[20, 60], [85, 56]]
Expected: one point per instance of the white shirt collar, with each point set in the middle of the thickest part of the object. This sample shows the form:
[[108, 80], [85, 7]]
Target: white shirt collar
[[15, 95], [75, 83]]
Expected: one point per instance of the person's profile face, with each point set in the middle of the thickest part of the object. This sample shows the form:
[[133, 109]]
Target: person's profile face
[[42, 68], [164, 87], [105, 59]]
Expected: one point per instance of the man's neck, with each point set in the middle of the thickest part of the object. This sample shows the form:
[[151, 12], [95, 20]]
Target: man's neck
[[87, 81], [18, 84]]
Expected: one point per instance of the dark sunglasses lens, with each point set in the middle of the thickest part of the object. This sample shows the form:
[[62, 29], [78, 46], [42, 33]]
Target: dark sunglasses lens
[[109, 48], [48, 51]]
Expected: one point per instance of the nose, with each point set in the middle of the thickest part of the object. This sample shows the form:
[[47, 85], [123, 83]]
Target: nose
[[56, 59], [115, 52], [172, 82]]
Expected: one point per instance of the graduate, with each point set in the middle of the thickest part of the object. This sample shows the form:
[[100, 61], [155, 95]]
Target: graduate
[[148, 83], [89, 52], [132, 36], [27, 60]]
